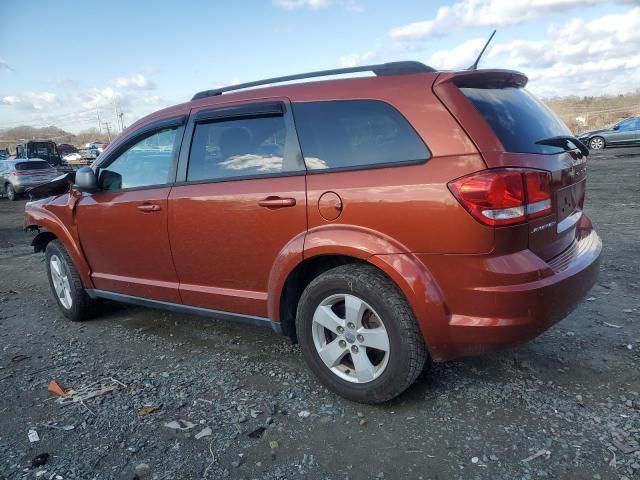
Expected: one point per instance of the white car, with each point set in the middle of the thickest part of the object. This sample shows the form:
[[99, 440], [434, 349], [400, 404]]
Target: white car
[[72, 157]]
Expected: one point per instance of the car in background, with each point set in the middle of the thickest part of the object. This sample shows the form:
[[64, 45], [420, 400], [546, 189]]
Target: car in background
[[623, 134], [66, 149], [4, 154], [16, 175]]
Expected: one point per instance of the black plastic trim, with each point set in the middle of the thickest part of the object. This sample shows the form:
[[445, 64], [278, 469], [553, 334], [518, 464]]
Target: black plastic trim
[[178, 308], [250, 110]]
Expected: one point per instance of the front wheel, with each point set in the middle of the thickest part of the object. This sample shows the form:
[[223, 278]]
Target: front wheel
[[66, 285], [359, 335], [11, 192], [596, 143]]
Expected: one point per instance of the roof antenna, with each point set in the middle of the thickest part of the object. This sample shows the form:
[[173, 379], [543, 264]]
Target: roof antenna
[[475, 64]]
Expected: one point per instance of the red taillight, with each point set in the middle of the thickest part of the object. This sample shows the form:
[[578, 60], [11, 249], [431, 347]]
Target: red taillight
[[504, 196]]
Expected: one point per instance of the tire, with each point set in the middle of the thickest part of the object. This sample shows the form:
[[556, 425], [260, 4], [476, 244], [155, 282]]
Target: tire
[[383, 310], [70, 295], [597, 143], [11, 192]]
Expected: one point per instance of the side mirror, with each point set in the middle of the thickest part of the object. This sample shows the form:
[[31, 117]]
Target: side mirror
[[86, 180], [616, 127]]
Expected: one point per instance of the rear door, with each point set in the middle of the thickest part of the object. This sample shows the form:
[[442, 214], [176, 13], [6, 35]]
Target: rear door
[[239, 200], [506, 122]]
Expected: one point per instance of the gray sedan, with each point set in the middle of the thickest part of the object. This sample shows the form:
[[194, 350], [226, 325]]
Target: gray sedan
[[16, 175], [622, 134]]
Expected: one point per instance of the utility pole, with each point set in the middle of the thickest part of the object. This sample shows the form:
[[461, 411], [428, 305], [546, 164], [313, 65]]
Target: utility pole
[[107, 125], [121, 119], [99, 122]]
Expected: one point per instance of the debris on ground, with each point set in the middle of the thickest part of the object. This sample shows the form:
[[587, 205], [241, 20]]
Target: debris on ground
[[205, 432], [182, 425], [91, 390], [40, 460], [539, 453], [33, 436], [147, 409], [257, 433]]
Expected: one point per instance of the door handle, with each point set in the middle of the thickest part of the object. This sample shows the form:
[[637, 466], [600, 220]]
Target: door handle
[[149, 207], [277, 202]]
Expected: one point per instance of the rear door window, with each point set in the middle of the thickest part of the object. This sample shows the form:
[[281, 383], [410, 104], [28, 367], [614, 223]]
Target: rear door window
[[517, 118], [349, 134], [32, 166]]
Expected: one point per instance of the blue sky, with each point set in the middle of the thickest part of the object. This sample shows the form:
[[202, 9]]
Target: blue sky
[[60, 60]]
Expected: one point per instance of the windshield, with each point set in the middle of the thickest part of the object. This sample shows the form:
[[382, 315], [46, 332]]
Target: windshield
[[42, 150], [32, 166], [517, 118]]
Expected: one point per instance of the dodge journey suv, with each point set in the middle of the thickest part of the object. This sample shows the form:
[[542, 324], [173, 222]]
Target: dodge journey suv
[[380, 221]]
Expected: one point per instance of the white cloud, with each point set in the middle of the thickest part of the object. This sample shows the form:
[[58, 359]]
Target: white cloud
[[99, 98], [357, 59], [486, 13], [9, 100], [461, 56], [352, 5], [41, 101], [5, 66], [135, 81]]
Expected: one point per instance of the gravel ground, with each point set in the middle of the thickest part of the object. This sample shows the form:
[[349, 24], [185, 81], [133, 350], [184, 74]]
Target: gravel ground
[[566, 405]]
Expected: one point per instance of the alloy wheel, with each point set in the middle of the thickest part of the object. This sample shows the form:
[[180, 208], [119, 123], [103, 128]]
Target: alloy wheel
[[60, 281], [350, 338], [596, 143]]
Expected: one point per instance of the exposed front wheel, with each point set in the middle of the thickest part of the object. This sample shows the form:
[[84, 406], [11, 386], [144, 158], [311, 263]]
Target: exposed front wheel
[[359, 335], [66, 284], [596, 143], [11, 192]]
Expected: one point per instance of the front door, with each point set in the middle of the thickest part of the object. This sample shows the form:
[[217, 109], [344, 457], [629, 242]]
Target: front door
[[241, 201], [123, 227]]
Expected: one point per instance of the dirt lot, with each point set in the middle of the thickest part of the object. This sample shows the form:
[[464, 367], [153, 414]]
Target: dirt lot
[[566, 405]]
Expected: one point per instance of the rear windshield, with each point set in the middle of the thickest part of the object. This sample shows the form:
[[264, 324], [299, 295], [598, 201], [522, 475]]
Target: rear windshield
[[32, 166], [517, 118]]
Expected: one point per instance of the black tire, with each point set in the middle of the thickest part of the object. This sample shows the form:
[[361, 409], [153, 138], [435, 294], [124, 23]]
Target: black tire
[[407, 352], [11, 192], [597, 143], [82, 306]]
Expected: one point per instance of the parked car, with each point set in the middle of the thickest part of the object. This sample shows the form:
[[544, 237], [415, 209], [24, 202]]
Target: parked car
[[623, 134], [71, 158], [379, 221], [4, 154], [17, 175], [66, 149], [39, 149]]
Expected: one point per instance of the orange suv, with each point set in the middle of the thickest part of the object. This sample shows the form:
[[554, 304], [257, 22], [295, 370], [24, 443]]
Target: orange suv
[[379, 221]]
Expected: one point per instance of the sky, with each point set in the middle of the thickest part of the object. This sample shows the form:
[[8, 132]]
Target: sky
[[64, 62]]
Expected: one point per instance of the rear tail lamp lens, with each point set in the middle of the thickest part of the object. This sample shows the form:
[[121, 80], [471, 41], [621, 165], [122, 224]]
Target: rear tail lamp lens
[[504, 196]]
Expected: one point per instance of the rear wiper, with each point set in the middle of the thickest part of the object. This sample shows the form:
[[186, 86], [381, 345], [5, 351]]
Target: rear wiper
[[564, 142]]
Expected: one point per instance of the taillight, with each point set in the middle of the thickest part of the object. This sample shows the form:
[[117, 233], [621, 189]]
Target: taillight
[[504, 196]]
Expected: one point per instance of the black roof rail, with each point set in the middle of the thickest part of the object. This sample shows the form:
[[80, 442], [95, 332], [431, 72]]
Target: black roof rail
[[391, 68]]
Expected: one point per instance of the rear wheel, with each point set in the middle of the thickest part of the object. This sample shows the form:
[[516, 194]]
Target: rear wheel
[[596, 143], [359, 335], [66, 285], [11, 192]]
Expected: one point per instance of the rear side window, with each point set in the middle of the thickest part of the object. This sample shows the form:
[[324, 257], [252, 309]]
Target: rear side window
[[238, 148], [32, 166], [355, 133], [517, 118]]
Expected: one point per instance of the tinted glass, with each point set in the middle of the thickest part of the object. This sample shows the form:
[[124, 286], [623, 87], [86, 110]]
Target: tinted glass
[[32, 166], [353, 133], [517, 118], [628, 125], [146, 163], [237, 148]]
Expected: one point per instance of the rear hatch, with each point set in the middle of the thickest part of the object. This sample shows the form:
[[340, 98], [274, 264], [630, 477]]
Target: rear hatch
[[35, 171], [507, 124]]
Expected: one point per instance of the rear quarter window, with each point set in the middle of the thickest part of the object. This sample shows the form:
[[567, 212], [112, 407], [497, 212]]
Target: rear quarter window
[[350, 134], [517, 118]]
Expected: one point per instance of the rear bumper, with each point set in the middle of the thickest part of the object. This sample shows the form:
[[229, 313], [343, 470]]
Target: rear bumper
[[506, 300]]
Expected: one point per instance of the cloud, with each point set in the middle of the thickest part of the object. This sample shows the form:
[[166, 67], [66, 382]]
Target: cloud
[[136, 81], [461, 56], [40, 101], [357, 59], [351, 5], [577, 57], [9, 100], [5, 66], [486, 13]]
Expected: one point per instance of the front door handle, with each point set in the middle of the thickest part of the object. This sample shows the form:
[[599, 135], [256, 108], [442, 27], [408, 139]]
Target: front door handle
[[277, 202], [149, 207]]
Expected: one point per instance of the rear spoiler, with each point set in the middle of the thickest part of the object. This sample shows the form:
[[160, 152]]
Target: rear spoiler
[[494, 78]]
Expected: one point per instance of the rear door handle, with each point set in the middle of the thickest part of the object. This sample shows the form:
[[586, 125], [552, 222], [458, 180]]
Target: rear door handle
[[149, 207], [277, 202]]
